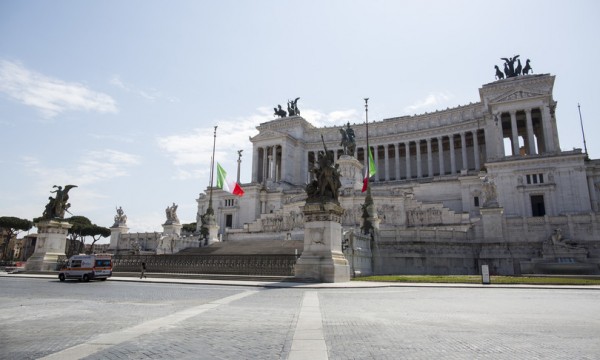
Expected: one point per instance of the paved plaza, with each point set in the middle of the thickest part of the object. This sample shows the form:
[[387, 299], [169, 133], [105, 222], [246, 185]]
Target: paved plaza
[[158, 319]]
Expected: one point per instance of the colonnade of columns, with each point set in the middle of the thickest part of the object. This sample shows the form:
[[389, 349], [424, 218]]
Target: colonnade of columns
[[267, 160], [417, 159], [533, 126]]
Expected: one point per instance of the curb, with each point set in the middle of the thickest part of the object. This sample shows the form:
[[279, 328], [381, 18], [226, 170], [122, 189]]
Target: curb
[[300, 285]]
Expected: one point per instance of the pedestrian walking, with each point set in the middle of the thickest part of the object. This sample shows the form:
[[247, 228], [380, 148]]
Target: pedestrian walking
[[143, 271]]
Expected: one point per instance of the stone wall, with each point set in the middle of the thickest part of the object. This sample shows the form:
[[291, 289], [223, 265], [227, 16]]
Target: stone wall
[[266, 265], [462, 249]]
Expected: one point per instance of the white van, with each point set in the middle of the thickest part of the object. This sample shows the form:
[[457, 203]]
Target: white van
[[87, 267]]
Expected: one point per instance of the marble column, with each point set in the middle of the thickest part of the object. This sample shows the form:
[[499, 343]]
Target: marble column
[[592, 191], [309, 166], [376, 160], [452, 155], [407, 147], [429, 159], [441, 155], [515, 133], [530, 135], [419, 169], [397, 160], [463, 146], [386, 157], [276, 163], [270, 168], [283, 164], [547, 126], [255, 152], [265, 164], [476, 150]]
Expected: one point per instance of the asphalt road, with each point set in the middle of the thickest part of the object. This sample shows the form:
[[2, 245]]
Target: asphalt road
[[43, 318]]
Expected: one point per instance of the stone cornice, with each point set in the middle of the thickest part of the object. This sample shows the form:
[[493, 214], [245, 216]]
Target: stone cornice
[[285, 123], [516, 89], [270, 137], [537, 160]]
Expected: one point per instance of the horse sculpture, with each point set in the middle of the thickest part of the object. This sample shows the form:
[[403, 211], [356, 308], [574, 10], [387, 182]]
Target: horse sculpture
[[280, 112], [510, 70], [348, 143], [499, 74], [527, 68]]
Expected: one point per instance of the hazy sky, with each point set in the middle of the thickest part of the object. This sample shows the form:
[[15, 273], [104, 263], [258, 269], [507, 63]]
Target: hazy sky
[[121, 97]]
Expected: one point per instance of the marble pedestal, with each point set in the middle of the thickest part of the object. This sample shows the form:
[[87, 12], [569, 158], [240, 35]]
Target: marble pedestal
[[322, 259], [213, 230], [116, 231], [172, 229], [351, 172], [51, 243], [491, 219]]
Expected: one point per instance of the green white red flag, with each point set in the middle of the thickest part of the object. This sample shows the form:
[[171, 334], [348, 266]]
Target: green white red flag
[[369, 171], [231, 187]]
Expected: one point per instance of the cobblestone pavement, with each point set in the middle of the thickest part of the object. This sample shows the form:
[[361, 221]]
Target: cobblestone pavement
[[43, 318]]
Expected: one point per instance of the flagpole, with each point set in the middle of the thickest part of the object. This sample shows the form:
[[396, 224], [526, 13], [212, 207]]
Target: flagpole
[[212, 167]]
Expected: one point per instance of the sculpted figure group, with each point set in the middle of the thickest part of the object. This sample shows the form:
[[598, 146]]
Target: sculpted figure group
[[171, 212], [58, 205], [292, 109], [120, 218], [326, 183], [510, 70]]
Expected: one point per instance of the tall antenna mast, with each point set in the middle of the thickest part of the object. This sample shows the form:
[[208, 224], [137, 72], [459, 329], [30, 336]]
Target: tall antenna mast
[[582, 132]]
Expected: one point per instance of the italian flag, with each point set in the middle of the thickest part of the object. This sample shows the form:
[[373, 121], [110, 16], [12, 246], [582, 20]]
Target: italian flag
[[231, 187], [369, 171]]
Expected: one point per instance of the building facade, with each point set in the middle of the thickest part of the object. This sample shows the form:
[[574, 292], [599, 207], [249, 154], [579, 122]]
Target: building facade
[[483, 183]]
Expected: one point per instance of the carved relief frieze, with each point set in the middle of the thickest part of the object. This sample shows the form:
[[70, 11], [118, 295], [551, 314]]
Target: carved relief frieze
[[420, 217], [323, 217], [517, 95]]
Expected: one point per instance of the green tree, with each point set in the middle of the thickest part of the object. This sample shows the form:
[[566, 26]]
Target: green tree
[[82, 228], [95, 232], [11, 227], [190, 228]]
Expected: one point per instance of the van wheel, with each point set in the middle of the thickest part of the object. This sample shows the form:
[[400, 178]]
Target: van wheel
[[103, 279], [86, 278], [61, 277]]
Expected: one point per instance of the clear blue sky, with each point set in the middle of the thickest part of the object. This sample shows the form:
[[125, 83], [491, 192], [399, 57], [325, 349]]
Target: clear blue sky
[[120, 97]]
